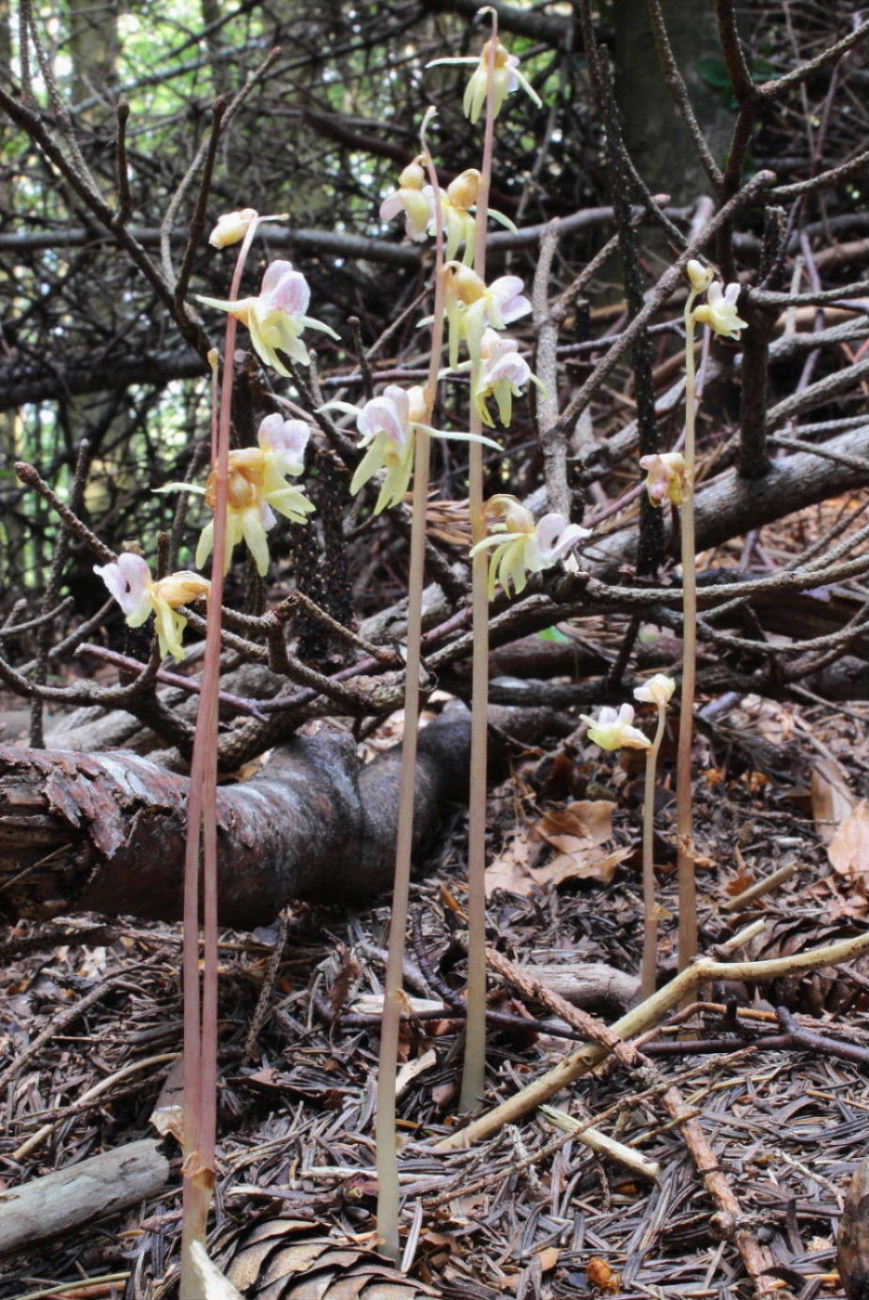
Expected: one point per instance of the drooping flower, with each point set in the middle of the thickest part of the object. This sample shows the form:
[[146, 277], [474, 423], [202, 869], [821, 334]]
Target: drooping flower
[[257, 488], [129, 580], [506, 76], [231, 227], [666, 478], [421, 207], [388, 425], [522, 545], [719, 310], [503, 375], [699, 275], [472, 306], [657, 690], [276, 316], [613, 730], [414, 198]]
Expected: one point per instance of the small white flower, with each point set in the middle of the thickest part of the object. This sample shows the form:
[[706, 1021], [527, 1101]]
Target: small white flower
[[657, 690], [129, 580], [613, 730], [472, 306], [413, 198], [388, 425], [503, 375], [505, 75], [719, 311]]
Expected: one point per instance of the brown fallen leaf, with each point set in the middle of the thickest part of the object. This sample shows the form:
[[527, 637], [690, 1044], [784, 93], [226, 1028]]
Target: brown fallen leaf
[[585, 820], [832, 798], [853, 1240], [583, 864], [848, 850], [511, 870]]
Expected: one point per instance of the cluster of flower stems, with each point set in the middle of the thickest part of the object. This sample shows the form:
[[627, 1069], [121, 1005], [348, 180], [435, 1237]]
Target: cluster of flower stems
[[244, 490]]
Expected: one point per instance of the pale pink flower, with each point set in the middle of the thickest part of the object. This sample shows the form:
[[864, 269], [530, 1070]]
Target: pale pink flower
[[666, 479], [276, 316]]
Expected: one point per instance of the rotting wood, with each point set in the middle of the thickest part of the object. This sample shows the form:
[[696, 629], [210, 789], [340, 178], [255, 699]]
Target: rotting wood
[[58, 1202], [105, 832]]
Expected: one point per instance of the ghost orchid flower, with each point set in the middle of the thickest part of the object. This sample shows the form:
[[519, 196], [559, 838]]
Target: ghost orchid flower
[[657, 690], [666, 478], [719, 311], [388, 425], [257, 488], [231, 227], [505, 74], [471, 306], [503, 374], [129, 580], [613, 730], [414, 198], [522, 545], [276, 316]]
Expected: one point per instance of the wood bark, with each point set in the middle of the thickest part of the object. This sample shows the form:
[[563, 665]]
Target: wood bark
[[58, 1202], [106, 832]]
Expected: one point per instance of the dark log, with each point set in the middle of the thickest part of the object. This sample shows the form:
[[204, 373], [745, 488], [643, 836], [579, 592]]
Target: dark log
[[106, 832]]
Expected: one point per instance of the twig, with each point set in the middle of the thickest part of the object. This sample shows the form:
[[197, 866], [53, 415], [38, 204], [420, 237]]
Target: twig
[[674, 276], [642, 1017], [679, 91], [730, 1219], [546, 322]]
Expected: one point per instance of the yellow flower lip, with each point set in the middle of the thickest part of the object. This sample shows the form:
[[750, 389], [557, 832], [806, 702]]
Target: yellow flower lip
[[613, 730], [181, 588]]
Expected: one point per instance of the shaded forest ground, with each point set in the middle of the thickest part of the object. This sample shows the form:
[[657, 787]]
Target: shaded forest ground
[[776, 1076]]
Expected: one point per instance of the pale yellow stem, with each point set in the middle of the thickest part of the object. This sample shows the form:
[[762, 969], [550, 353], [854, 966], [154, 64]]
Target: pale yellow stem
[[474, 1065], [684, 792], [642, 1017], [650, 906], [393, 1001]]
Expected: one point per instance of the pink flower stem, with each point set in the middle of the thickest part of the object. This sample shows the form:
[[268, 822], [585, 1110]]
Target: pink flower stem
[[474, 1066], [393, 995], [650, 907], [200, 1021]]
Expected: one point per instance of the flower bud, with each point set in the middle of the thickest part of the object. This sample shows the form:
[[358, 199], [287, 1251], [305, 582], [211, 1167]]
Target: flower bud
[[413, 176], [467, 284], [700, 276], [463, 191], [657, 690], [231, 227]]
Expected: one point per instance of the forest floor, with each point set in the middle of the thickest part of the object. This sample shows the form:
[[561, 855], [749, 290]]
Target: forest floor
[[776, 1076]]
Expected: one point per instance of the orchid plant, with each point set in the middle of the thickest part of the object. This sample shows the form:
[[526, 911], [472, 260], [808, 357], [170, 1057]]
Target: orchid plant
[[614, 729], [520, 545], [672, 477], [246, 489]]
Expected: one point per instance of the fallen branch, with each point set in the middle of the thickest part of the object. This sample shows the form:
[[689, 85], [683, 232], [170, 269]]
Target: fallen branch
[[105, 832], [642, 1017], [59, 1202]]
